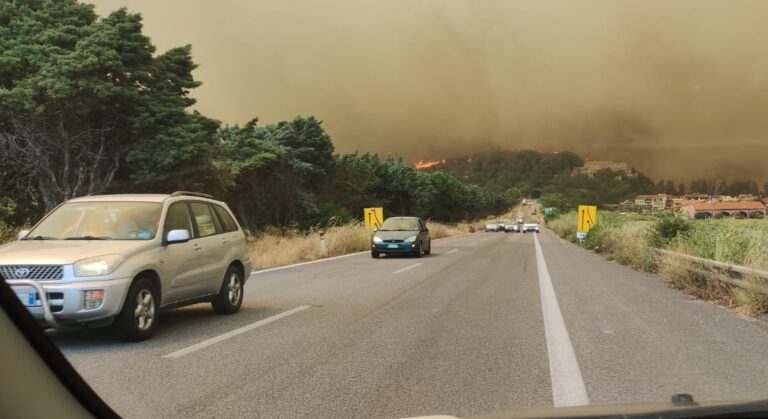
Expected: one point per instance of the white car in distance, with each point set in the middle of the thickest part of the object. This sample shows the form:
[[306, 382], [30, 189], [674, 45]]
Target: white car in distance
[[492, 226], [530, 228]]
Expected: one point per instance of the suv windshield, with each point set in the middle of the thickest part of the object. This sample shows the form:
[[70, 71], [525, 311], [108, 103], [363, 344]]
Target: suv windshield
[[395, 224], [100, 220]]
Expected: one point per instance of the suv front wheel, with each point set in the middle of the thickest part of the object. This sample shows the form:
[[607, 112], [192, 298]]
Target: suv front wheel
[[230, 296], [138, 318]]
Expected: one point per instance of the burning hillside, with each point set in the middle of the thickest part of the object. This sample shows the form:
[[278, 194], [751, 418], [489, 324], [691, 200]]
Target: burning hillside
[[428, 164]]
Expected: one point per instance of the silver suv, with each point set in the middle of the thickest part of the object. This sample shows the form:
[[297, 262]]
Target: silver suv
[[119, 259]]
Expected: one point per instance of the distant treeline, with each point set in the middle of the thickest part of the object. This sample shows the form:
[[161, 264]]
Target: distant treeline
[[529, 174]]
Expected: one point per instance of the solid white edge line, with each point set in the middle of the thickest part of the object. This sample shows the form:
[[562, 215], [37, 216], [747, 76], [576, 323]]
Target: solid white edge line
[[217, 339], [567, 383], [407, 268], [452, 251], [279, 268]]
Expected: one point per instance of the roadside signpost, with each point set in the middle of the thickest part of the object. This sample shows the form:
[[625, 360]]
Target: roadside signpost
[[587, 220], [373, 217]]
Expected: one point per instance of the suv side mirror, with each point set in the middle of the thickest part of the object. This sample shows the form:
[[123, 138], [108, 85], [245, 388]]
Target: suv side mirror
[[177, 236], [23, 234]]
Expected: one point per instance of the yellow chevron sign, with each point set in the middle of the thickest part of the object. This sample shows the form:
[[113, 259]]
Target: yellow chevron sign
[[587, 218], [373, 217]]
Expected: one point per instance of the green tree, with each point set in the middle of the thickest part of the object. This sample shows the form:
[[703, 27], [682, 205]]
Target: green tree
[[78, 93], [669, 188], [720, 188], [275, 171]]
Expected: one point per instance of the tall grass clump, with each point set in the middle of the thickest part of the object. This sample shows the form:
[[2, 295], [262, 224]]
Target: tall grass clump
[[564, 225], [278, 248]]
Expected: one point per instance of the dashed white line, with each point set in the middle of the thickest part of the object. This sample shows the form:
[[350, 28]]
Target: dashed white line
[[406, 268], [451, 251], [279, 268], [567, 384], [233, 333]]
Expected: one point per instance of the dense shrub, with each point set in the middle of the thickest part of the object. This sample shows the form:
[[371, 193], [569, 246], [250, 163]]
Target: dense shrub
[[668, 228]]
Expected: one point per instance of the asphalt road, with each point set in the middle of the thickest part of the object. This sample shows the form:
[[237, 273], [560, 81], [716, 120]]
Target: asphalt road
[[482, 325]]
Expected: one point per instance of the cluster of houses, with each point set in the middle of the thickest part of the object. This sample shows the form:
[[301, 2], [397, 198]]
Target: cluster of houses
[[700, 206]]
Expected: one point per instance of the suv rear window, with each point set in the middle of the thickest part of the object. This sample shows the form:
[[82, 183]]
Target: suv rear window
[[206, 225], [226, 220]]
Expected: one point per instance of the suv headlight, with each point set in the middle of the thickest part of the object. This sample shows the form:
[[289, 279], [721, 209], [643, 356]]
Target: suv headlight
[[377, 240], [100, 265], [410, 239]]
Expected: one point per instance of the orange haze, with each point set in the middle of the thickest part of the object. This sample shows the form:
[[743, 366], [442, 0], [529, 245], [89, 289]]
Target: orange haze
[[678, 89]]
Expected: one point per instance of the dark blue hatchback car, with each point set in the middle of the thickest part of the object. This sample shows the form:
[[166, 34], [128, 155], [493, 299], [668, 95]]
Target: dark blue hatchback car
[[407, 235]]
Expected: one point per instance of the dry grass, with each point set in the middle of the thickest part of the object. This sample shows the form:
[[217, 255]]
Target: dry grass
[[273, 249], [687, 276]]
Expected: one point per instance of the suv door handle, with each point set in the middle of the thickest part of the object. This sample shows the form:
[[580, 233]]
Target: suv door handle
[[197, 247], [224, 241]]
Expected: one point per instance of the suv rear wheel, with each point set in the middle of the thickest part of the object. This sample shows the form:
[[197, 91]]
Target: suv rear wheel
[[230, 296], [138, 318]]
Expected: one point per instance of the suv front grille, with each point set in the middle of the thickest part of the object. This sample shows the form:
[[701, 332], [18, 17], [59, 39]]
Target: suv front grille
[[35, 272]]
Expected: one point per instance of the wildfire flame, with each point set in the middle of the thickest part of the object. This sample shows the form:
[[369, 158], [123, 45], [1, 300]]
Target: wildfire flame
[[422, 164]]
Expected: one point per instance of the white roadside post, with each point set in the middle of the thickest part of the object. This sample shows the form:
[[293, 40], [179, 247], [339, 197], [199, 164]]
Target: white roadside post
[[323, 247]]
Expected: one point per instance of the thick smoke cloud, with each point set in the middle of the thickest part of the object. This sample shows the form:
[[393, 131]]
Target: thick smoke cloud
[[677, 88]]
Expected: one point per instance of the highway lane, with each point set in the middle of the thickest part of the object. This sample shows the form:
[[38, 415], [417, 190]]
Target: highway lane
[[459, 332]]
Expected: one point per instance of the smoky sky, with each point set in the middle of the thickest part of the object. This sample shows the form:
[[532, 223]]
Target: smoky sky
[[679, 89]]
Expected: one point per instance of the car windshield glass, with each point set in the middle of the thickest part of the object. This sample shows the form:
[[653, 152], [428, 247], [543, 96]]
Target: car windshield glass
[[399, 224], [101, 221]]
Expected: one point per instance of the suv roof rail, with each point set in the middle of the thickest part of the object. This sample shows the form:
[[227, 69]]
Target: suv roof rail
[[188, 193]]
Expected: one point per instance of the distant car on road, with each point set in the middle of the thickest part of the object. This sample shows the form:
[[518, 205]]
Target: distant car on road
[[511, 228], [520, 220], [492, 226], [401, 235], [119, 259], [530, 228]]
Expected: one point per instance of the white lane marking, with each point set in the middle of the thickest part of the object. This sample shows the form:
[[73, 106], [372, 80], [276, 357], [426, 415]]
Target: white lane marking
[[278, 268], [567, 384], [452, 251], [217, 339], [262, 271], [407, 268]]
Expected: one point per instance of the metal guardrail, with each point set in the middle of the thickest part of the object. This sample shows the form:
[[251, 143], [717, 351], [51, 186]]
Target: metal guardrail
[[721, 265], [729, 273], [43, 297]]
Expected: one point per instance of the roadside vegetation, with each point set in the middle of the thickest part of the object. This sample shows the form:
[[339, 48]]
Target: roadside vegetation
[[275, 247], [630, 239]]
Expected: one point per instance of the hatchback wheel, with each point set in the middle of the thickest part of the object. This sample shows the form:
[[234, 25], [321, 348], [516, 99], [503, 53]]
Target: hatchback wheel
[[230, 296], [139, 316]]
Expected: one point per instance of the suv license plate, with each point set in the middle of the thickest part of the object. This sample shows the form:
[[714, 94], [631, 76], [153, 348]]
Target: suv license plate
[[27, 296]]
